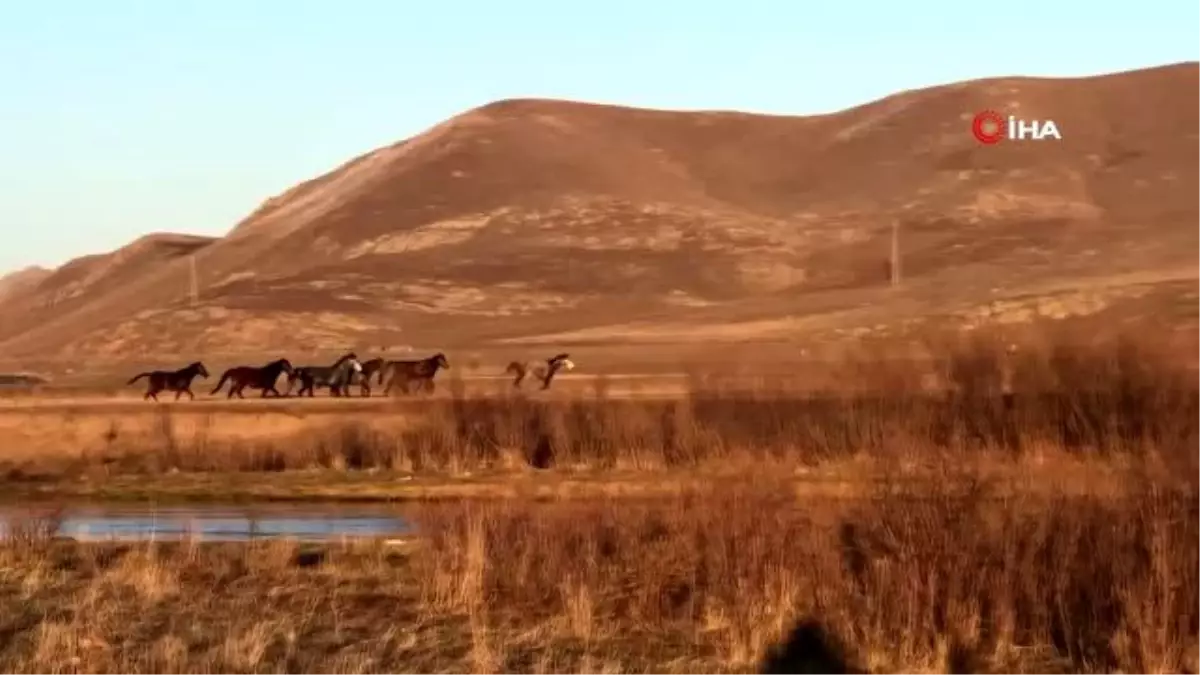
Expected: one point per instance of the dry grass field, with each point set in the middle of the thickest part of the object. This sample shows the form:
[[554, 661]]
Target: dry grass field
[[996, 510], [736, 577], [982, 401]]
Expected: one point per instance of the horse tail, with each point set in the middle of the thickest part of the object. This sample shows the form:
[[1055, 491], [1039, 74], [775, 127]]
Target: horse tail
[[136, 378], [224, 376]]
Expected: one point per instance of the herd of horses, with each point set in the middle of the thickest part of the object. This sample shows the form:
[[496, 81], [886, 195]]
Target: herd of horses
[[338, 377]]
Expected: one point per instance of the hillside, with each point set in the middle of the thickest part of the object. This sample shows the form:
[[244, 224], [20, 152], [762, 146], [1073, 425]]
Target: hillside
[[539, 220], [22, 281]]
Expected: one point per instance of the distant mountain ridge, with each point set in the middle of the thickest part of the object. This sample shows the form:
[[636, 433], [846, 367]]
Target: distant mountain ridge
[[534, 219]]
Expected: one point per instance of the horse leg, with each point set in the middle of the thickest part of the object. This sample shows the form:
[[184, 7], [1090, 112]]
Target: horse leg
[[178, 393], [401, 381], [191, 396]]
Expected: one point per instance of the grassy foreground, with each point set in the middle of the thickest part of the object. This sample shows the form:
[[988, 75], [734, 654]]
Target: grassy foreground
[[740, 578]]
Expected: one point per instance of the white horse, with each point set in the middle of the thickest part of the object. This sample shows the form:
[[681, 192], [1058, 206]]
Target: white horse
[[337, 376], [542, 370]]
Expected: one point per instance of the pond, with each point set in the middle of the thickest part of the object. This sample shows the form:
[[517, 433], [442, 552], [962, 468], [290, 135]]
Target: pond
[[318, 522]]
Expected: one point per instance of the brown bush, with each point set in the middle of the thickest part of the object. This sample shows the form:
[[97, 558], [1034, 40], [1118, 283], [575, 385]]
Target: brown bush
[[904, 581]]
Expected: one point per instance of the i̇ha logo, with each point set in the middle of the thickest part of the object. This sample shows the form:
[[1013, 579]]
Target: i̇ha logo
[[989, 128]]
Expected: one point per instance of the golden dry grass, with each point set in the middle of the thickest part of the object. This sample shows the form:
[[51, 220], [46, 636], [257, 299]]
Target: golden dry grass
[[735, 578], [1034, 511], [1121, 403]]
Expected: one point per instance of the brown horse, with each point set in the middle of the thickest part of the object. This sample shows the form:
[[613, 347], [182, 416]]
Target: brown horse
[[421, 370], [372, 368], [178, 381], [543, 370], [263, 378]]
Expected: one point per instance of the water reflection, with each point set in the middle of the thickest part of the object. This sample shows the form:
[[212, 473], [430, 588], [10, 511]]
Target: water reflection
[[208, 523]]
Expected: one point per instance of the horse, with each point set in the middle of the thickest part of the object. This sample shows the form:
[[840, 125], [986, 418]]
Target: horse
[[371, 368], [178, 381], [422, 370], [263, 378], [336, 377], [543, 370]]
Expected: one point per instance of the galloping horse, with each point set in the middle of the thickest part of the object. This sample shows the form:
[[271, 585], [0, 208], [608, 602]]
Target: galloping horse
[[422, 370], [543, 370], [178, 381], [263, 378], [336, 377], [372, 368]]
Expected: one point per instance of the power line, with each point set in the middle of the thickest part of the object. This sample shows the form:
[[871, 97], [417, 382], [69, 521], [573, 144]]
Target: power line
[[195, 286], [895, 266]]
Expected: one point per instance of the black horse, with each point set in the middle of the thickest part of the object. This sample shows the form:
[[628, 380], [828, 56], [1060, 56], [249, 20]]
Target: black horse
[[263, 378], [421, 371], [178, 381]]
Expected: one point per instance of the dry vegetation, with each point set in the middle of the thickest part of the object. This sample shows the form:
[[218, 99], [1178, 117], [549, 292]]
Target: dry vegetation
[[1120, 403], [739, 578], [944, 558]]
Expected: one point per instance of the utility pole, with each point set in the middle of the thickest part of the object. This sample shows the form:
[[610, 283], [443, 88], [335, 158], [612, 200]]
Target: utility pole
[[195, 282], [895, 266]]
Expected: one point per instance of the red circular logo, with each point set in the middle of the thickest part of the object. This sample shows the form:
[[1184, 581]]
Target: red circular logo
[[988, 127]]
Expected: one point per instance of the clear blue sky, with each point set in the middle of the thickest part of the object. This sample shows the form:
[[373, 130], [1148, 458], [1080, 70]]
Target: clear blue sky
[[123, 117]]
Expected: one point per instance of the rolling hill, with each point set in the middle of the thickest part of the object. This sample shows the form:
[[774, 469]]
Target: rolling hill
[[528, 221], [22, 280]]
